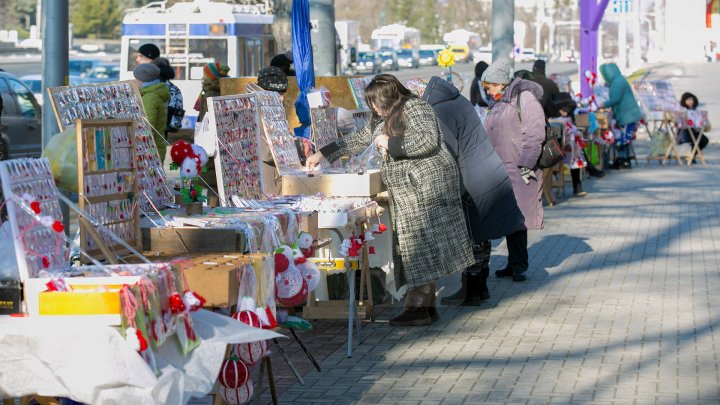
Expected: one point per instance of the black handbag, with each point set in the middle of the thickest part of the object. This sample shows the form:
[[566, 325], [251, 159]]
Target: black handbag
[[551, 152]]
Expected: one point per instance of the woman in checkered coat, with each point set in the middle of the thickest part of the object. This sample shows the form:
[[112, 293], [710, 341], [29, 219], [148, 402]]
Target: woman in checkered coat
[[430, 239]]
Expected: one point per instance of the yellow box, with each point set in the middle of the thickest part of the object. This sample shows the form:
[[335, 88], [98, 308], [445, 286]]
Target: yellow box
[[79, 303]]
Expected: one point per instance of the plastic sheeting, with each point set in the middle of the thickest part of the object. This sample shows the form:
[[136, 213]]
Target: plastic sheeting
[[93, 364]]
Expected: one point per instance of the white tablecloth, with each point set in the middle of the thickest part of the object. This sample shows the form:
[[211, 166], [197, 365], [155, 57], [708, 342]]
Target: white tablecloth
[[93, 364]]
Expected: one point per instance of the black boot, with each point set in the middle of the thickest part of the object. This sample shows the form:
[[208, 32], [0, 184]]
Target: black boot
[[459, 296], [413, 316], [477, 290]]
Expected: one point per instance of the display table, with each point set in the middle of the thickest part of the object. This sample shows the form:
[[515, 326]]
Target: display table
[[93, 364]]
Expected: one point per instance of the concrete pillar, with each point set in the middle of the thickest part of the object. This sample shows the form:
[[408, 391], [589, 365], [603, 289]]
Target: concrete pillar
[[323, 37], [503, 17]]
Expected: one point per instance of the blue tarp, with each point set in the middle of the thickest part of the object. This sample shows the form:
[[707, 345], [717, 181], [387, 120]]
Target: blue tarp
[[303, 61]]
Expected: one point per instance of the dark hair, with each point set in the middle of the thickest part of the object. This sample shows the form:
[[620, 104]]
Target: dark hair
[[388, 93], [685, 98], [524, 74]]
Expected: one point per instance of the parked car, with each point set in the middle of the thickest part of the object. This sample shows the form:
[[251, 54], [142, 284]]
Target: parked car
[[389, 60], [34, 82], [368, 62], [20, 123], [408, 58], [428, 57], [78, 67], [101, 73]]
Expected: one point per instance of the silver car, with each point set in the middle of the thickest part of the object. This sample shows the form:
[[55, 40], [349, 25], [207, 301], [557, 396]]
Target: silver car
[[20, 122]]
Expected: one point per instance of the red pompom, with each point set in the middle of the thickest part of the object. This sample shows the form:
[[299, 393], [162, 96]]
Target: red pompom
[[281, 262], [690, 122], [58, 226], [193, 193], [45, 262], [382, 228], [248, 318], [233, 373], [180, 150], [35, 206], [176, 304]]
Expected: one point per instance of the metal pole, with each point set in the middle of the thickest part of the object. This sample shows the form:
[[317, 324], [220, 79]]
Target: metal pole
[[55, 69], [503, 17], [54, 58]]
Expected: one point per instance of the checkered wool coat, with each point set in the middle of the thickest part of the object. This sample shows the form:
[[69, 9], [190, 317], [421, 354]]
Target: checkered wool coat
[[430, 239]]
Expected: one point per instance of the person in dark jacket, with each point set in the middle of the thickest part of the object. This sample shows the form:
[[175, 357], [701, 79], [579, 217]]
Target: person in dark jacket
[[212, 72], [690, 102], [491, 210], [283, 61], [550, 89], [477, 94]]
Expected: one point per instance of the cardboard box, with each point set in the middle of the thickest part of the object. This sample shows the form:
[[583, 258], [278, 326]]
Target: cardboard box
[[215, 278], [174, 240], [335, 185], [309, 223]]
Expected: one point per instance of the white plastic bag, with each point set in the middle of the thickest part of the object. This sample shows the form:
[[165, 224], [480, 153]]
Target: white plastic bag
[[205, 134], [369, 159]]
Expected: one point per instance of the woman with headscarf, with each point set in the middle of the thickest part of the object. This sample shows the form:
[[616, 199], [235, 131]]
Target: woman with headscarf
[[212, 72], [429, 236], [515, 125]]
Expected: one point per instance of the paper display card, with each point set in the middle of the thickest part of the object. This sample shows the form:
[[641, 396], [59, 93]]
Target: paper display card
[[117, 100], [656, 95], [37, 246], [692, 119], [237, 163], [107, 181], [277, 132], [358, 84]]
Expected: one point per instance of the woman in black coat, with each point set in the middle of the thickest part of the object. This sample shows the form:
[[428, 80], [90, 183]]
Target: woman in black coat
[[690, 102], [491, 210]]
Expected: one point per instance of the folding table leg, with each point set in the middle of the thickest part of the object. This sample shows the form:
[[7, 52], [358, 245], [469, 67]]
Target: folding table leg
[[305, 349], [351, 306], [271, 380], [289, 363]]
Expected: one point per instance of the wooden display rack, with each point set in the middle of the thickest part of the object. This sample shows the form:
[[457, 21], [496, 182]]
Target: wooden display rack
[[85, 147]]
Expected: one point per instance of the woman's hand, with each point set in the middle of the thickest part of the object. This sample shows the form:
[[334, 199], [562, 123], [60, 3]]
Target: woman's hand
[[381, 141], [314, 160]]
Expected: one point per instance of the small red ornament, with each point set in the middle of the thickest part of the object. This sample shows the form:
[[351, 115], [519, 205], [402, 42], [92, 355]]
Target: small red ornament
[[382, 228], [179, 151], [371, 250], [249, 318], [193, 193], [690, 123], [233, 373], [45, 262], [58, 226], [35, 206]]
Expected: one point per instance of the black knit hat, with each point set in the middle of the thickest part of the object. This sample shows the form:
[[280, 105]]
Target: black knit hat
[[272, 78], [149, 51], [539, 65]]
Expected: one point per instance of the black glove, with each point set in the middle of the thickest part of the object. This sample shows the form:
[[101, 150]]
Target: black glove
[[527, 174]]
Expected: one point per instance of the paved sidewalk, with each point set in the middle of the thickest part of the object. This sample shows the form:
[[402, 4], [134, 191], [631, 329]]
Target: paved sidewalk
[[620, 307]]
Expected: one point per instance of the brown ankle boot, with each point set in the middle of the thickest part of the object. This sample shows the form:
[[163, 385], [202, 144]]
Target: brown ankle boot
[[414, 316]]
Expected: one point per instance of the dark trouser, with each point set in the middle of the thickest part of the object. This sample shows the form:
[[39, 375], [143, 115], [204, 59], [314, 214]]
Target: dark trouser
[[517, 251], [481, 253], [575, 174]]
